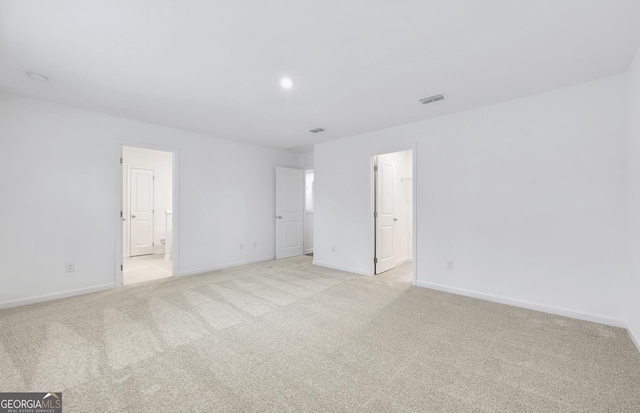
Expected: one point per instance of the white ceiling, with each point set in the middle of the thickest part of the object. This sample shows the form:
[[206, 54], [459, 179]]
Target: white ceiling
[[358, 65]]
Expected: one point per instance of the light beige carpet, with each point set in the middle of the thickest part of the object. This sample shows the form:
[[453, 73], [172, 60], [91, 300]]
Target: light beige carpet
[[287, 336]]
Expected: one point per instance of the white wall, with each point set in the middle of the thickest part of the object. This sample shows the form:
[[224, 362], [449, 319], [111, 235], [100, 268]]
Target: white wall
[[527, 197], [402, 206], [61, 203], [162, 165], [305, 160], [633, 317]]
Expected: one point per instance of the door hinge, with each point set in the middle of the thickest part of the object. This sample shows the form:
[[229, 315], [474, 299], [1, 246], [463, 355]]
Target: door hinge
[[120, 214], [375, 168], [120, 160], [153, 244], [375, 260], [375, 214], [121, 267]]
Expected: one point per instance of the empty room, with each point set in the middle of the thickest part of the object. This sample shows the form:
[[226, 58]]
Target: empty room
[[320, 206]]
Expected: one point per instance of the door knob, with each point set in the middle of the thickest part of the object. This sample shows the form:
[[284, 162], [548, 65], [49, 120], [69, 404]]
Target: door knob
[[133, 216], [395, 219], [278, 216]]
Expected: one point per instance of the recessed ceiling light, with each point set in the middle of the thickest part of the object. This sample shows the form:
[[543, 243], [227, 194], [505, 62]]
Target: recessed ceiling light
[[37, 78], [286, 82]]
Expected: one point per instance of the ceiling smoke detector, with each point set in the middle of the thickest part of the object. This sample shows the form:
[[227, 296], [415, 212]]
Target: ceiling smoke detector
[[432, 98], [316, 130], [37, 78]]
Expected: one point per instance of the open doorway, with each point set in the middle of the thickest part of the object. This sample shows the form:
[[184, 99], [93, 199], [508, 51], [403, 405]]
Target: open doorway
[[393, 215], [308, 212], [147, 214]]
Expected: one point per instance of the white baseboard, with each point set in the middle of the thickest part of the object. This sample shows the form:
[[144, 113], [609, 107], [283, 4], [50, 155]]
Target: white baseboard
[[223, 266], [525, 304], [403, 260], [49, 297], [634, 339], [337, 267], [309, 251]]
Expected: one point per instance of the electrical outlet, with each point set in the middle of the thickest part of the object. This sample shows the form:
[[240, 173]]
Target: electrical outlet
[[450, 264], [71, 266], [241, 246], [333, 248], [255, 244]]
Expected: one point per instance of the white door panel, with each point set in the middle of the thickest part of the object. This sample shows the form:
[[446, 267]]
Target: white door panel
[[384, 215], [387, 242], [289, 212], [290, 230], [141, 211]]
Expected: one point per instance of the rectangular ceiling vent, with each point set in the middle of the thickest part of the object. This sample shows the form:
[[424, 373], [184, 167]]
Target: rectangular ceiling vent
[[432, 98], [316, 130]]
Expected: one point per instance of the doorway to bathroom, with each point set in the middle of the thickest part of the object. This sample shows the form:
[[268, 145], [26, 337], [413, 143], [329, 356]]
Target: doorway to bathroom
[[308, 212], [393, 216], [147, 214]]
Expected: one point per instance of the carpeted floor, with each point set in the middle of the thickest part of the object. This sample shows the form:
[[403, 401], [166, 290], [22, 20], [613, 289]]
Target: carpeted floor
[[287, 336]]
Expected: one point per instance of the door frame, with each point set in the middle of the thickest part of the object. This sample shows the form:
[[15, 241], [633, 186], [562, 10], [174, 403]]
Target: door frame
[[372, 205], [119, 231]]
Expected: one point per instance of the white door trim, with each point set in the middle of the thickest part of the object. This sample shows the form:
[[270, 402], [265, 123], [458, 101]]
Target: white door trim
[[118, 201], [414, 153]]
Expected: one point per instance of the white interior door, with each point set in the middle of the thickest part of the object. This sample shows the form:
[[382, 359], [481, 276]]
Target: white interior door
[[384, 217], [140, 211], [289, 212]]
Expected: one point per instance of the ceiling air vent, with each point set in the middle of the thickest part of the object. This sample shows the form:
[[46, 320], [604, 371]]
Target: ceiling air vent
[[316, 130], [432, 98]]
